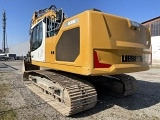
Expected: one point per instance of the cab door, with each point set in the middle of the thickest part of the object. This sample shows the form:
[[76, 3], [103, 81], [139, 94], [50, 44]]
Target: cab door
[[38, 42]]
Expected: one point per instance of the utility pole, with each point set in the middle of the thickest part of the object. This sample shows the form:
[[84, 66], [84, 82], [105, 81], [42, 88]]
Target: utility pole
[[4, 30]]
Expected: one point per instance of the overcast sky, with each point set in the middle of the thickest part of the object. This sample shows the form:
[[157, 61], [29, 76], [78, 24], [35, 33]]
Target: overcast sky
[[19, 12]]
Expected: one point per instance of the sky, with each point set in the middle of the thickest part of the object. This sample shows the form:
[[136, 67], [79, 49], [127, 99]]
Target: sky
[[19, 13]]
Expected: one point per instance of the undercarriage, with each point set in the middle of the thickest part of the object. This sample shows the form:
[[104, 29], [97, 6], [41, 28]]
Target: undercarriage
[[69, 94]]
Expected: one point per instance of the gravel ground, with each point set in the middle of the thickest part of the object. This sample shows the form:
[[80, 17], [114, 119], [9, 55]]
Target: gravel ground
[[18, 103]]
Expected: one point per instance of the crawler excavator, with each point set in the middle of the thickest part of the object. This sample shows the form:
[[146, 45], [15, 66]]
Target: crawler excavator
[[67, 54]]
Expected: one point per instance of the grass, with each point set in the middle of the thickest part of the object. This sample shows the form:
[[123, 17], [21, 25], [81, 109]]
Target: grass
[[5, 113], [8, 115]]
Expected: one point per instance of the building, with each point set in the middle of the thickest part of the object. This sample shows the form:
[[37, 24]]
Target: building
[[154, 25], [20, 49]]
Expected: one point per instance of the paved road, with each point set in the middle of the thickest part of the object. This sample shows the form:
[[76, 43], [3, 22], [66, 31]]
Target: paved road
[[10, 65]]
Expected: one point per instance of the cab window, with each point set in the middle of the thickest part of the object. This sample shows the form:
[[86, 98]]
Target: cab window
[[36, 36]]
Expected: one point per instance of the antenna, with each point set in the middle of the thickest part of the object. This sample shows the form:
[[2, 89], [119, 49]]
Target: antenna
[[4, 30]]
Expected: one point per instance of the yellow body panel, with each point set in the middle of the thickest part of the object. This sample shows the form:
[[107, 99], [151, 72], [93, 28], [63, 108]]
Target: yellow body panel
[[109, 36]]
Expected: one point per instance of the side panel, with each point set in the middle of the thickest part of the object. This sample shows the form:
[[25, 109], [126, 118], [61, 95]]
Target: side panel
[[68, 46]]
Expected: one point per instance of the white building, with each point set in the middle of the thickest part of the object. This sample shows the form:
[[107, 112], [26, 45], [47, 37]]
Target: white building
[[154, 25], [20, 49], [155, 41]]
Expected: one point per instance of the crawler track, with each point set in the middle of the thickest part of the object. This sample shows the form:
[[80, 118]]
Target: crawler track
[[120, 85], [128, 82], [75, 95]]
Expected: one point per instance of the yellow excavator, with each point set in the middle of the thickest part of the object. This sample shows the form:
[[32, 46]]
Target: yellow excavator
[[68, 53]]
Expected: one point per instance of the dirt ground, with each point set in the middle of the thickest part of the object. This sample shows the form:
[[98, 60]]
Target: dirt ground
[[18, 103]]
